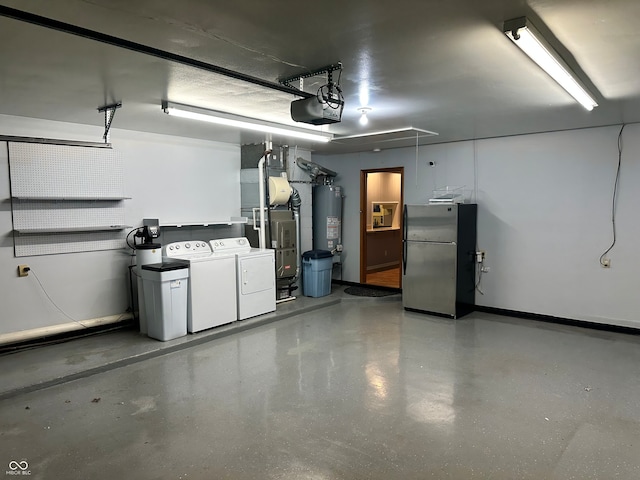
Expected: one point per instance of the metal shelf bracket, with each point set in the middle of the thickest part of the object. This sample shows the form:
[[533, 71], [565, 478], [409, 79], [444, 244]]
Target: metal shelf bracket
[[109, 113]]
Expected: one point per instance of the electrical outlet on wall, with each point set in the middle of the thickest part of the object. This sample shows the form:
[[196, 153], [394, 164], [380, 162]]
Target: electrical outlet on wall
[[23, 270]]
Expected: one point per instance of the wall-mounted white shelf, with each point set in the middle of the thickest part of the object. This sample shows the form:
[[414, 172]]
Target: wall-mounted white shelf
[[71, 198], [213, 223], [99, 228]]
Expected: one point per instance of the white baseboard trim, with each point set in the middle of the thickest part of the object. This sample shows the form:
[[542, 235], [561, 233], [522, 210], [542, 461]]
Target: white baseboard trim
[[35, 333]]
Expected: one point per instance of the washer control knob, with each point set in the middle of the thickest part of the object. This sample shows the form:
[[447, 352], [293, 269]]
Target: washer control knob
[[187, 245], [177, 247]]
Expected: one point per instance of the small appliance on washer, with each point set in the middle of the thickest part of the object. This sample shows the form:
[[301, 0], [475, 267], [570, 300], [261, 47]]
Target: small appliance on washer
[[211, 291], [255, 275]]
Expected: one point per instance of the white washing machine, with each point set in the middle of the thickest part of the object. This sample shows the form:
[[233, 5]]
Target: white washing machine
[[255, 275], [211, 291]]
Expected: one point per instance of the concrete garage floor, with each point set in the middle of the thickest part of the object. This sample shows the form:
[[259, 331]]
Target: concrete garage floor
[[31, 370], [356, 390]]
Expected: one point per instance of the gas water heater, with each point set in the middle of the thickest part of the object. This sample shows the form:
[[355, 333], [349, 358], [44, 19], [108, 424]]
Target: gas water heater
[[327, 218], [327, 207]]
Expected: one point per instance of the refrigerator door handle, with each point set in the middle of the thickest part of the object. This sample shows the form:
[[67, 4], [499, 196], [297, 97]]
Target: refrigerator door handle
[[404, 240], [404, 257], [404, 223]]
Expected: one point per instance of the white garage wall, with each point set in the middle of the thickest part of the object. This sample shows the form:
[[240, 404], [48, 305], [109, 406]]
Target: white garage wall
[[544, 204], [171, 178]]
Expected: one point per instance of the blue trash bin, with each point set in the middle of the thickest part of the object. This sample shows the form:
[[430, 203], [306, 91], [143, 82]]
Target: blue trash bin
[[316, 273]]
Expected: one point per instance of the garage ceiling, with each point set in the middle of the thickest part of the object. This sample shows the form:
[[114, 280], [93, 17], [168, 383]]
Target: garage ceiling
[[438, 65]]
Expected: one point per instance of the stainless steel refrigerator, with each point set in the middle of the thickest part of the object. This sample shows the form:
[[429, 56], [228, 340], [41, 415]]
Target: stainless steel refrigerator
[[438, 263]]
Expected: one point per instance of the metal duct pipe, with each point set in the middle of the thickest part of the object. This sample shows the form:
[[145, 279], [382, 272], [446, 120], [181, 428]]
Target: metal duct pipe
[[261, 194], [296, 202]]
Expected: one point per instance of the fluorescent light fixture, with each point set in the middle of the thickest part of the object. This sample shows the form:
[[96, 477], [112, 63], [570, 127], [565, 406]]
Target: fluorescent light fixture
[[247, 123], [524, 35]]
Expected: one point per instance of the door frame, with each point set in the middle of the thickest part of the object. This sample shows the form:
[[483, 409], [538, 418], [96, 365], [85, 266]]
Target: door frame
[[363, 216]]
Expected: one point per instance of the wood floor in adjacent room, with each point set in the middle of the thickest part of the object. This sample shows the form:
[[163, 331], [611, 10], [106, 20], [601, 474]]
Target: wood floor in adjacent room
[[385, 278]]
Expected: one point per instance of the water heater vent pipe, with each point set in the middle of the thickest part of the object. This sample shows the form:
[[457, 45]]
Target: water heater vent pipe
[[296, 202]]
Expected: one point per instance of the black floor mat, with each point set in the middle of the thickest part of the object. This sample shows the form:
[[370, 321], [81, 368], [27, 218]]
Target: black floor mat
[[368, 292]]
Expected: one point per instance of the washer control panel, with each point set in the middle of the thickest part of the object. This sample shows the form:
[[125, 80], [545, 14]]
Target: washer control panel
[[240, 244], [191, 247]]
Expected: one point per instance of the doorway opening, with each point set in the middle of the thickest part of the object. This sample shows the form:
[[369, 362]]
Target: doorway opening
[[381, 205]]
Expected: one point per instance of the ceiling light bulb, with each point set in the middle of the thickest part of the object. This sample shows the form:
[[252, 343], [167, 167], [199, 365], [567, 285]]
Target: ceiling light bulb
[[364, 120]]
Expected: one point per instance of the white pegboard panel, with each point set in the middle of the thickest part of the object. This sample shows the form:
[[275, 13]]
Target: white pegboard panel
[[62, 171], [49, 244], [57, 189]]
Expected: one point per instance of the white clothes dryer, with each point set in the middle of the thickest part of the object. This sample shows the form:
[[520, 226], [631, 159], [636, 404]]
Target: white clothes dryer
[[255, 275], [211, 292]]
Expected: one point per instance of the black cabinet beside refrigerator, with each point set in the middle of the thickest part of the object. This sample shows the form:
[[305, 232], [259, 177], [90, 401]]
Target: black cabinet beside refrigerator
[[438, 262]]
